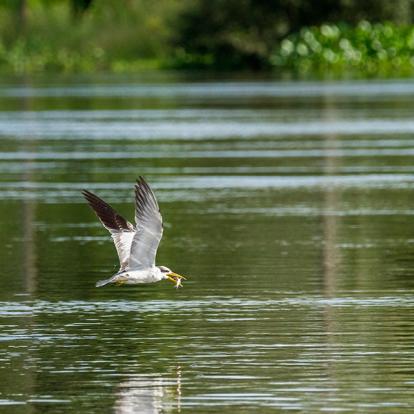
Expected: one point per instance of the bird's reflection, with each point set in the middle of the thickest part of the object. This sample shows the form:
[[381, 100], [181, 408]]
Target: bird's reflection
[[147, 394]]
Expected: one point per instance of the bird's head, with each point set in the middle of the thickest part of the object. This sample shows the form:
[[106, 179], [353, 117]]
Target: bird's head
[[171, 276]]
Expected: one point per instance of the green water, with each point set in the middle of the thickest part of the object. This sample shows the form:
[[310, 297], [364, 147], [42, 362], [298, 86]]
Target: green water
[[288, 205]]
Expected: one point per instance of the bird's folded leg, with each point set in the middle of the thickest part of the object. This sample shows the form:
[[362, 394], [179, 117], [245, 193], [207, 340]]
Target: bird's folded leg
[[121, 279]]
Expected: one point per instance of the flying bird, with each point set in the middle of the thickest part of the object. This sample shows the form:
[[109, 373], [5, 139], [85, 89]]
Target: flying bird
[[137, 244]]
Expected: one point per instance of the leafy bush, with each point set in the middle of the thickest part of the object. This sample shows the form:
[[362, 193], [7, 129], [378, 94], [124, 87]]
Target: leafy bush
[[381, 48]]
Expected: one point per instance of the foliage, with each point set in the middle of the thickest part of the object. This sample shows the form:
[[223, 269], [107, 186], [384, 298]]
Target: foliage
[[123, 36], [368, 48], [68, 36], [243, 33]]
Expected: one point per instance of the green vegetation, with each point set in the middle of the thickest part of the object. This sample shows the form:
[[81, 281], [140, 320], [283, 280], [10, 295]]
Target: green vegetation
[[381, 48], [61, 36], [234, 34], [371, 37]]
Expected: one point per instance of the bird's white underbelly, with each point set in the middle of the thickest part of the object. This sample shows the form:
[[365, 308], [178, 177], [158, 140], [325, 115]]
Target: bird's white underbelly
[[139, 276]]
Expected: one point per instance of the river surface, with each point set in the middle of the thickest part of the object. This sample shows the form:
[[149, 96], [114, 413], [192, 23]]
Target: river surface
[[288, 205]]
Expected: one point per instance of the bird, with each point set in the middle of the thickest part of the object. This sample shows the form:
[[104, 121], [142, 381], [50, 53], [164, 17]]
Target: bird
[[137, 244]]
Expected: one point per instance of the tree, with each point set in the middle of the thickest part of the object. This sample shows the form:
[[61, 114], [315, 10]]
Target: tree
[[79, 7], [235, 33]]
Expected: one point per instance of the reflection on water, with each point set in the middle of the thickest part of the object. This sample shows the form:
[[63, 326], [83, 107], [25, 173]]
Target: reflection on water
[[289, 205], [148, 395]]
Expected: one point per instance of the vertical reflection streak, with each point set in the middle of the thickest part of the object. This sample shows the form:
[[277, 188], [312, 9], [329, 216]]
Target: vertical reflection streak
[[330, 252]]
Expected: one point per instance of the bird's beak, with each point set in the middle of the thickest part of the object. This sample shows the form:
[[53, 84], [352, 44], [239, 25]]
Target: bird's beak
[[176, 275], [175, 278]]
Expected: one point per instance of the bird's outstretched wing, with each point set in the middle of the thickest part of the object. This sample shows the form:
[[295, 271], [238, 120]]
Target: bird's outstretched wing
[[148, 227], [122, 231]]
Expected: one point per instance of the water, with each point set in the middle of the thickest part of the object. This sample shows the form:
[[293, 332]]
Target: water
[[289, 205]]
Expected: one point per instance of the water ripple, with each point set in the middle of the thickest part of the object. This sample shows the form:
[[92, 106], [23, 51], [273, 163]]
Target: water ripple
[[223, 90], [225, 304]]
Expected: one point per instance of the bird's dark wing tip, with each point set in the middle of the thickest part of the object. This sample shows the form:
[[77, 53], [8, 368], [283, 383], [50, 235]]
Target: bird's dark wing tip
[[108, 216], [87, 193], [141, 180]]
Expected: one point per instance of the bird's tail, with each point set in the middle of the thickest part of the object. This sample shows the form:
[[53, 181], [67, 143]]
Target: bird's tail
[[116, 278], [104, 282]]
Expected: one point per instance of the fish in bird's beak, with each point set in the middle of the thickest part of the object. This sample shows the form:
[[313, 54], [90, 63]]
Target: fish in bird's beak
[[176, 278]]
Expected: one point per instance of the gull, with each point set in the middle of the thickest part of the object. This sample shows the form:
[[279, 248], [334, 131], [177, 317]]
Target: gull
[[136, 245]]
